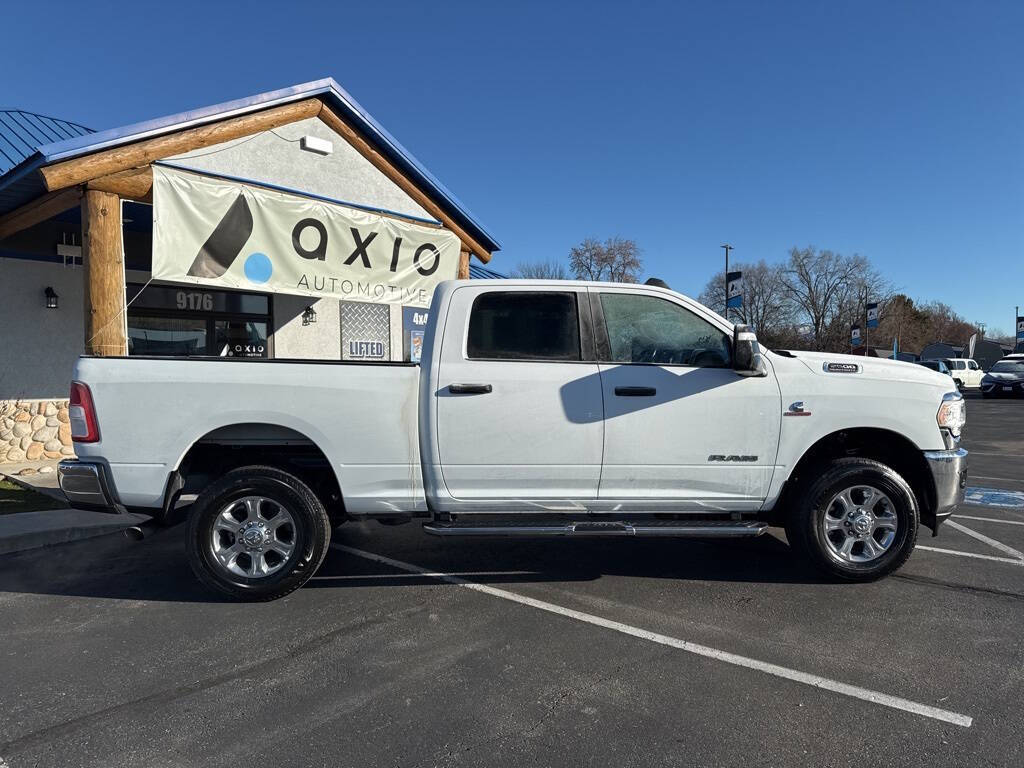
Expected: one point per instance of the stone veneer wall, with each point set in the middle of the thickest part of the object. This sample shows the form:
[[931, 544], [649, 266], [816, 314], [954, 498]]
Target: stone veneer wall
[[32, 430]]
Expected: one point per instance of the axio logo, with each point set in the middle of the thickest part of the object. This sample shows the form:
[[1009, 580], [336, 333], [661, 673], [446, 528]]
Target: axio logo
[[225, 243]]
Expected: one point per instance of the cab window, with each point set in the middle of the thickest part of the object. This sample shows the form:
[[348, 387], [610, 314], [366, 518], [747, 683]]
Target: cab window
[[521, 325], [649, 329]]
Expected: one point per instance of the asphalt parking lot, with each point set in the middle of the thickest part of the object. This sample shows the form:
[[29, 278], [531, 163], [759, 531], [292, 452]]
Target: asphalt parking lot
[[551, 653]]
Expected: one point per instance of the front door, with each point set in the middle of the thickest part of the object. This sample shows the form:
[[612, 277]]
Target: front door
[[519, 411], [683, 431]]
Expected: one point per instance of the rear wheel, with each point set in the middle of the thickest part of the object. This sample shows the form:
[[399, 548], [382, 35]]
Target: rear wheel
[[258, 533], [856, 521]]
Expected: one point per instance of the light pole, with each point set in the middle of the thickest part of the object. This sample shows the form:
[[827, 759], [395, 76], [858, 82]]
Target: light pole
[[727, 248]]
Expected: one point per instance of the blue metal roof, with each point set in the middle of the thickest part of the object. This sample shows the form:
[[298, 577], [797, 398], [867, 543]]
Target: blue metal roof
[[25, 184], [22, 133], [476, 272]]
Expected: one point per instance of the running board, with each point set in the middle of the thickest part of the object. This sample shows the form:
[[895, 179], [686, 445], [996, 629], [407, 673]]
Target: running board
[[704, 529]]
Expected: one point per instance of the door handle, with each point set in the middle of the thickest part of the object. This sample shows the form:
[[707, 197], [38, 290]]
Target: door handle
[[469, 389], [636, 391]]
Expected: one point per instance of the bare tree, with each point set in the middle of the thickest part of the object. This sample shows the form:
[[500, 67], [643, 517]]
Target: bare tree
[[765, 307], [828, 290], [615, 260], [541, 270]]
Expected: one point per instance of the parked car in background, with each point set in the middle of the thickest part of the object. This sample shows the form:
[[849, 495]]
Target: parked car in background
[[965, 372], [935, 365], [1006, 377]]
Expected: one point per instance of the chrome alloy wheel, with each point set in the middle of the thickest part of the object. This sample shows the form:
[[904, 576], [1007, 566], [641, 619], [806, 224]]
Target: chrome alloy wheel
[[252, 536], [859, 524]]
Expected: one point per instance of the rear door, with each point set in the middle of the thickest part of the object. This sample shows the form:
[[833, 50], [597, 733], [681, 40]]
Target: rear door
[[519, 409], [683, 431]]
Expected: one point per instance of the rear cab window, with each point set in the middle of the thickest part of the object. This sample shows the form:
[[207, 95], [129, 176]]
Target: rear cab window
[[524, 325]]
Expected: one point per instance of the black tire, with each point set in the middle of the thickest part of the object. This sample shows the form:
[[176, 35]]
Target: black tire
[[804, 520], [312, 532]]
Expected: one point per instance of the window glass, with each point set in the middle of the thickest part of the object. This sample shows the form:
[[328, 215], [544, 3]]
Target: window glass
[[647, 329], [1008, 366], [972, 365], [524, 326], [240, 338], [167, 336]]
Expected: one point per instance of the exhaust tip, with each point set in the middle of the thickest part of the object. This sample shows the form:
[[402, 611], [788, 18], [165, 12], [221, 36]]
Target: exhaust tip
[[135, 533]]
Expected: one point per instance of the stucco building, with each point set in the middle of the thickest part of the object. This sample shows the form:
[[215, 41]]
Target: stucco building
[[77, 233]]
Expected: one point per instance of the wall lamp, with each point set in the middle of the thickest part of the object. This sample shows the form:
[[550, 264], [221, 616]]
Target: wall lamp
[[308, 316], [51, 298]]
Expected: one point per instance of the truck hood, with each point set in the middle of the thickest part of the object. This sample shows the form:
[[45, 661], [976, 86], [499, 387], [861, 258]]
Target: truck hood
[[874, 368]]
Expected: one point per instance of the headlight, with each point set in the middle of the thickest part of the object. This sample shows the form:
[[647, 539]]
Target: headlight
[[952, 413]]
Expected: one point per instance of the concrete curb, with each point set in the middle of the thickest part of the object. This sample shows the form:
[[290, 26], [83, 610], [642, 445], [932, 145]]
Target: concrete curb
[[22, 531], [53, 493]]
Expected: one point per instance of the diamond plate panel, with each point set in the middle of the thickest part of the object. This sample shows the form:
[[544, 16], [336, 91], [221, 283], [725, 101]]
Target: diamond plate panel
[[365, 331]]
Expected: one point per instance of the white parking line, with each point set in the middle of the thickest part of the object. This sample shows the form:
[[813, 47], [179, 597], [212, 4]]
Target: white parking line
[[478, 574], [989, 519], [1010, 560], [983, 538], [815, 681]]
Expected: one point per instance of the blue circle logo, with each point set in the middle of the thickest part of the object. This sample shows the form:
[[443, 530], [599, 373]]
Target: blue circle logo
[[258, 268]]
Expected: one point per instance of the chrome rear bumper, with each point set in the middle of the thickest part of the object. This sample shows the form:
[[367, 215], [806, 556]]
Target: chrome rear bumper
[[85, 486]]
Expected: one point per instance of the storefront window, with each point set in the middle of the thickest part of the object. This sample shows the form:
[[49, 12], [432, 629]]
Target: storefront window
[[240, 338], [166, 336], [169, 321]]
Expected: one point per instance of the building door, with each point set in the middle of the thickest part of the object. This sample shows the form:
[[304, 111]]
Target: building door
[[169, 321]]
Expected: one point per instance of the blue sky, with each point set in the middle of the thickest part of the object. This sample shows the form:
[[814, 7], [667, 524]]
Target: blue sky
[[890, 129]]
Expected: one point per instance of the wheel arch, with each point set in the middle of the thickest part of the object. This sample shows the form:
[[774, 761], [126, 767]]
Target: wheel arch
[[883, 445], [238, 444]]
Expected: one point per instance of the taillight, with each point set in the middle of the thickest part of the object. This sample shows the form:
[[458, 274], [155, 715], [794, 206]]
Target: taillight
[[82, 415]]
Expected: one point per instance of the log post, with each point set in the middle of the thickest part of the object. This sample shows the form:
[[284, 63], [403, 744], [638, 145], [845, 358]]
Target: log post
[[103, 264], [463, 273]]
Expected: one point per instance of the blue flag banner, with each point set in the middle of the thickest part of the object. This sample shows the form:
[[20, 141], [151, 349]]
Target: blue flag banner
[[1020, 329], [734, 289], [855, 335], [872, 314]]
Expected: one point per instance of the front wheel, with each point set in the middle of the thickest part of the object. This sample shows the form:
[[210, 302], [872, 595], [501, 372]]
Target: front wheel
[[258, 533], [856, 521]]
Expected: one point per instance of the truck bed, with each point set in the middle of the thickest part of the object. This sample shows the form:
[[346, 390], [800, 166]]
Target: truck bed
[[362, 416]]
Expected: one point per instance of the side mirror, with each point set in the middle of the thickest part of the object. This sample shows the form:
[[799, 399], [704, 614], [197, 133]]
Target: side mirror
[[746, 353]]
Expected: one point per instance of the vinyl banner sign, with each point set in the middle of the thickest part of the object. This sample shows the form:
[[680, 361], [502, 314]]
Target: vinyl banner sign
[[854, 335], [734, 289], [872, 312], [1020, 329], [230, 235]]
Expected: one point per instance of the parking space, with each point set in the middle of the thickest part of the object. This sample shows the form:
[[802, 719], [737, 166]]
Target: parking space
[[410, 650]]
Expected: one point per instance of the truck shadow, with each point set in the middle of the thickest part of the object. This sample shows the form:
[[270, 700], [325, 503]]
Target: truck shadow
[[155, 569]]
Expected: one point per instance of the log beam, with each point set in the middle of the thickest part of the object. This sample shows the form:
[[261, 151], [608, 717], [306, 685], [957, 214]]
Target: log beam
[[381, 163], [463, 273], [39, 210], [104, 274], [133, 184], [82, 169]]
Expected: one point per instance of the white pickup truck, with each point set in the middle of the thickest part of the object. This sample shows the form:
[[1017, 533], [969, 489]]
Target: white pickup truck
[[541, 408]]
